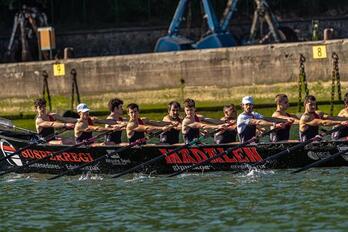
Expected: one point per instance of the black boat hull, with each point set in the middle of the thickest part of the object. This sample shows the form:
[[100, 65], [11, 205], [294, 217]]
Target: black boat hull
[[237, 159]]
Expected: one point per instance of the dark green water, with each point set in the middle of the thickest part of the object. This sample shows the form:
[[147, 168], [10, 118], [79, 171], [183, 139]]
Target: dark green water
[[256, 201]]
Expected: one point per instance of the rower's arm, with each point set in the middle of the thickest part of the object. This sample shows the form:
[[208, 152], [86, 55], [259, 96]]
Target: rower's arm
[[64, 119], [210, 120], [177, 125], [320, 122], [187, 124], [104, 121], [231, 124], [292, 117], [155, 123], [343, 113], [335, 118], [79, 128], [133, 127], [48, 124], [260, 122], [207, 126], [274, 119]]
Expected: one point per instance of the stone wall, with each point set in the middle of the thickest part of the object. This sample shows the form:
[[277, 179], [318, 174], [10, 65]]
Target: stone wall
[[223, 67]]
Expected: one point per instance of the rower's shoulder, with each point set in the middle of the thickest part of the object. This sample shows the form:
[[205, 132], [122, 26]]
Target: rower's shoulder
[[306, 117], [110, 116], [343, 113], [187, 120], [132, 124], [80, 121], [167, 118]]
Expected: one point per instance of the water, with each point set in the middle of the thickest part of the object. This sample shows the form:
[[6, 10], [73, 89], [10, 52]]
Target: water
[[255, 201]]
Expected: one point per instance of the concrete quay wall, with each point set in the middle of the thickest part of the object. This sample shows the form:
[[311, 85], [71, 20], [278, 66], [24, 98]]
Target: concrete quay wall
[[225, 67]]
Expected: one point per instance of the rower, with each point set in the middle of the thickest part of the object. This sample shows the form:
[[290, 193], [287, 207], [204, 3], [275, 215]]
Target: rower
[[342, 134], [85, 124], [312, 119], [282, 103], [230, 134], [115, 106], [137, 127], [193, 123], [172, 136], [45, 122], [249, 121]]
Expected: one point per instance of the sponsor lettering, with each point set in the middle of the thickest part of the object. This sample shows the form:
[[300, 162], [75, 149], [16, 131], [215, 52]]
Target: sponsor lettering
[[318, 155], [195, 155], [118, 162], [71, 157]]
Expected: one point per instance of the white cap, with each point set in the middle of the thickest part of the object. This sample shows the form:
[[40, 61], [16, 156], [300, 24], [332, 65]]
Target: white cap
[[248, 100], [82, 108]]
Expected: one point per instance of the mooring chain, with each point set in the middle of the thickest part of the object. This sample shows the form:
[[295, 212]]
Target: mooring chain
[[335, 77], [74, 87], [45, 89], [302, 81]]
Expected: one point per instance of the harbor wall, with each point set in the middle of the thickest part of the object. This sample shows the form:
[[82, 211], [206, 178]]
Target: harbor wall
[[225, 67]]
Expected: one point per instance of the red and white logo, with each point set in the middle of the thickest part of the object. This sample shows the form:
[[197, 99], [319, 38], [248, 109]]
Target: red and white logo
[[7, 150]]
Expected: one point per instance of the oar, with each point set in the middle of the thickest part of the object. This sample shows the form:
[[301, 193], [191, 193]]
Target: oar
[[157, 158], [53, 154], [255, 138], [293, 148], [33, 143], [8, 124], [121, 149], [319, 162]]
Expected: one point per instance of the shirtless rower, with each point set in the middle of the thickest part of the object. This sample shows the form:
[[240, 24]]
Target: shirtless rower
[[312, 119], [193, 123], [249, 121], [230, 134], [45, 122], [342, 134], [137, 127], [282, 103], [85, 124], [116, 111], [172, 136]]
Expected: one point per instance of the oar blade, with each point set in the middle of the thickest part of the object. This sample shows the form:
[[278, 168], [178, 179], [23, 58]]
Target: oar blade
[[6, 123]]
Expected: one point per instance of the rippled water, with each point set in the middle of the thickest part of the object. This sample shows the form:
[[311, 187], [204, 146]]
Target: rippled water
[[257, 201]]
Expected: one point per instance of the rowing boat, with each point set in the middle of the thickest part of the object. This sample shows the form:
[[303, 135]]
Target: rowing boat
[[116, 163]]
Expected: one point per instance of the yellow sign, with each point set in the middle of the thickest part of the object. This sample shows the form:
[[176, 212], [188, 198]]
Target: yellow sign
[[319, 52], [58, 70]]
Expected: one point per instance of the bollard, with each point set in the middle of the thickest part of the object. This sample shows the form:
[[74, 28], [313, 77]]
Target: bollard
[[328, 33], [68, 53]]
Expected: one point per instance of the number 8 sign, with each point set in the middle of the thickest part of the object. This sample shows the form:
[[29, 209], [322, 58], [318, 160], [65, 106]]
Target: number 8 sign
[[319, 52]]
